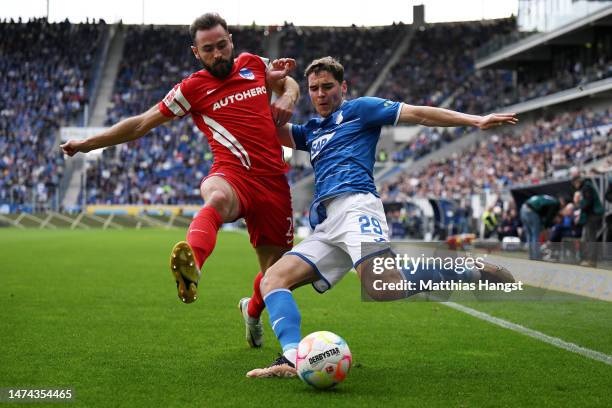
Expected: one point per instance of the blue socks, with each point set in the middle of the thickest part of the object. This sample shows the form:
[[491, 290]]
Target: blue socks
[[285, 318]]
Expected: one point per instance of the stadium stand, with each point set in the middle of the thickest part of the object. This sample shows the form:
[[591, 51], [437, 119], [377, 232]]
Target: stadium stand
[[430, 71], [478, 91], [362, 51], [164, 168], [45, 84], [488, 89], [528, 156], [426, 62]]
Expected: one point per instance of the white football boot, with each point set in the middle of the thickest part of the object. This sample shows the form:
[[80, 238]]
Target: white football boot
[[254, 328]]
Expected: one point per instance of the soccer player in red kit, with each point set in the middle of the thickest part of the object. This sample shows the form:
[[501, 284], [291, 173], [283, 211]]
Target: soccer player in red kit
[[229, 102]]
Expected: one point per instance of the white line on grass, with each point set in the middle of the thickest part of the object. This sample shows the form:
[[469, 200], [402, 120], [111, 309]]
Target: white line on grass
[[574, 348]]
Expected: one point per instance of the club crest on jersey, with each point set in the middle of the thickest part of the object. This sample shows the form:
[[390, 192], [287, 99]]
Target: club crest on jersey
[[339, 118], [319, 143], [246, 74]]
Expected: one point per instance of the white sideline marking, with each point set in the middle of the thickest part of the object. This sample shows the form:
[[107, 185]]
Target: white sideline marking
[[574, 348]]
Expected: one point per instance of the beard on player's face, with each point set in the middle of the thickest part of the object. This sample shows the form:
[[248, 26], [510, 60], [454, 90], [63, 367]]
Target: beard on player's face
[[221, 68]]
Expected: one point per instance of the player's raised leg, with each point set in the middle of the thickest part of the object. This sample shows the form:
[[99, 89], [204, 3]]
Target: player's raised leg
[[221, 205], [288, 273]]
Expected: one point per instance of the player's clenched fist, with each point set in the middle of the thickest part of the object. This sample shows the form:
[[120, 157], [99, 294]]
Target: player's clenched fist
[[72, 147], [280, 68]]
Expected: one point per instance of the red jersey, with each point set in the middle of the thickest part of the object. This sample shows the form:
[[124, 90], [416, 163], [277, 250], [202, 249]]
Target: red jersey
[[234, 114]]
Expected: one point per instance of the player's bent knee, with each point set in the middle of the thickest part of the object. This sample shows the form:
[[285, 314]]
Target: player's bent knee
[[222, 201], [276, 278], [219, 197], [375, 285], [384, 295], [272, 281], [289, 272], [217, 190]]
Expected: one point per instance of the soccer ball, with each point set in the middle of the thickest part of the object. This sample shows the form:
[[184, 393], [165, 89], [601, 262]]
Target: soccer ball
[[323, 359]]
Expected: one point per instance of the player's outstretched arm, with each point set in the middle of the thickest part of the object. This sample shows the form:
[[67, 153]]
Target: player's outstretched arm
[[128, 129], [285, 87], [430, 116]]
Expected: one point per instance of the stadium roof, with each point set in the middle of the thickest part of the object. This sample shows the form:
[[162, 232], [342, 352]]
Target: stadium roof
[[263, 12], [536, 46]]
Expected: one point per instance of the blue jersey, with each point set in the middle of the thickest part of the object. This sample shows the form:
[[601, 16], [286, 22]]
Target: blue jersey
[[343, 148]]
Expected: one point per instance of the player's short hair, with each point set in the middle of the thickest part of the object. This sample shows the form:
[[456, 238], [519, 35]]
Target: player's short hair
[[206, 22], [328, 64]]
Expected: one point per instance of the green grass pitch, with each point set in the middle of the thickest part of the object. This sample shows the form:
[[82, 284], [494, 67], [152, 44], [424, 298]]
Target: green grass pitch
[[97, 311]]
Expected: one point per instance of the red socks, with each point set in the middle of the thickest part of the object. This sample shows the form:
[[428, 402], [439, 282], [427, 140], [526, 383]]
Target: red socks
[[202, 233], [202, 236], [256, 304]]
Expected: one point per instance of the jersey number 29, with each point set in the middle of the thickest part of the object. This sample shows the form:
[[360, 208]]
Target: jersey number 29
[[370, 225]]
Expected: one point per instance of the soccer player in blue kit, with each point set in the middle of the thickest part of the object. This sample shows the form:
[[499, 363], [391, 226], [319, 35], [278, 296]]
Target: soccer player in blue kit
[[346, 210]]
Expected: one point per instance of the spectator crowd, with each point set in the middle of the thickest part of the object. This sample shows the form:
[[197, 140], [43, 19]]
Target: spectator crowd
[[528, 155], [432, 73], [45, 72], [362, 51]]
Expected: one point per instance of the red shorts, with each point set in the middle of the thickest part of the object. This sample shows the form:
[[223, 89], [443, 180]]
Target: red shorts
[[265, 204]]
